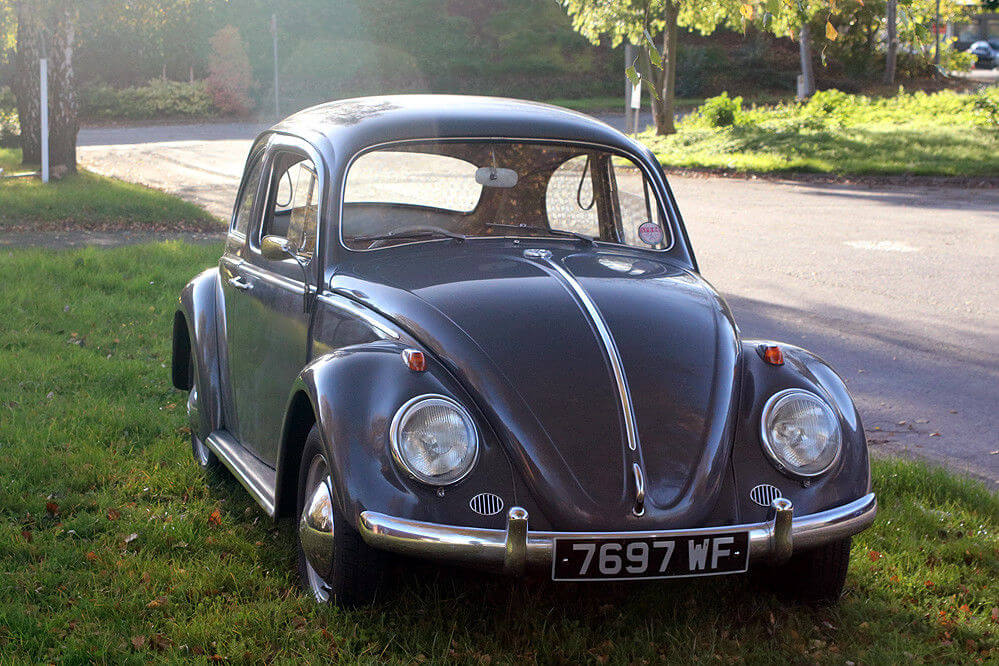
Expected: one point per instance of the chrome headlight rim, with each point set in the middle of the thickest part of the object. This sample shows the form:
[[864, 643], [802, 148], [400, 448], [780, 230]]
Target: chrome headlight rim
[[768, 408], [395, 431]]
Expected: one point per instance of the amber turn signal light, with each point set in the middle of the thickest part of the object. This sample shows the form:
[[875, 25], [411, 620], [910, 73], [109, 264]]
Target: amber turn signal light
[[415, 359], [771, 354]]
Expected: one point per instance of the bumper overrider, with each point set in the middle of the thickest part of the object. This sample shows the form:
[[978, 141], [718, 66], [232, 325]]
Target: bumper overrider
[[517, 548]]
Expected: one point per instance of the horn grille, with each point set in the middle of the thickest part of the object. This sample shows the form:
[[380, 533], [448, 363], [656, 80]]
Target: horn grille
[[486, 504], [764, 494]]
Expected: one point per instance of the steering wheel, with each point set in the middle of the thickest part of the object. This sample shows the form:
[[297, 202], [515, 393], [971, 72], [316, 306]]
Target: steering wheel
[[414, 229]]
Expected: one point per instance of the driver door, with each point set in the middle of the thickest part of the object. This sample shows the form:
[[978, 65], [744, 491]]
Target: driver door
[[267, 319]]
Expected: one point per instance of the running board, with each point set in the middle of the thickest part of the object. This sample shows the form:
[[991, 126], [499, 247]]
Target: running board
[[258, 479]]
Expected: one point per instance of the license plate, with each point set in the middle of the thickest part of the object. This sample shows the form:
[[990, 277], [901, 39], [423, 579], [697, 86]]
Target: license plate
[[650, 557]]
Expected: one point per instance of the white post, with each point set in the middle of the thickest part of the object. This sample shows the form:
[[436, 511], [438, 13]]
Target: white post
[[277, 97], [43, 66], [629, 58]]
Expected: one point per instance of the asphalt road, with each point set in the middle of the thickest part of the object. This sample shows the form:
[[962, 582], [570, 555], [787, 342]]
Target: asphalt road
[[897, 287]]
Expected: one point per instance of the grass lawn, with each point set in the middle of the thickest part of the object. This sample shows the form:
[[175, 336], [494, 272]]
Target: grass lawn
[[918, 134], [115, 547], [89, 201]]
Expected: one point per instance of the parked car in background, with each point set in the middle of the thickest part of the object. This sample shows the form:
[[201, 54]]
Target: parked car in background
[[473, 330], [986, 52]]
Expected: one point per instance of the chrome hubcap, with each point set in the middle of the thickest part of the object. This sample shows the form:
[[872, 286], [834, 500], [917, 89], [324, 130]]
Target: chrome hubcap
[[315, 528]]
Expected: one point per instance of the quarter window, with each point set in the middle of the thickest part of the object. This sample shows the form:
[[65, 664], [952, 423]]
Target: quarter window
[[293, 208], [244, 207]]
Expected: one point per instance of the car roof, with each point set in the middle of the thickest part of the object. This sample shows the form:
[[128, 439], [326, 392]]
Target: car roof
[[354, 124]]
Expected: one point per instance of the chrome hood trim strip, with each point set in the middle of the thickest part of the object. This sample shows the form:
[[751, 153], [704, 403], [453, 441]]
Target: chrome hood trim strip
[[617, 367], [606, 340]]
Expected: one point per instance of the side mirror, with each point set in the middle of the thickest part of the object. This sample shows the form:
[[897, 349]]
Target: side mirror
[[276, 248]]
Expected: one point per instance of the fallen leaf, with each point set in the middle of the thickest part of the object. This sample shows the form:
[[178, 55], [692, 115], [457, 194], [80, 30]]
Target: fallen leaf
[[131, 537], [995, 615], [928, 583], [138, 642], [874, 555], [215, 518], [114, 514], [161, 642], [92, 556], [934, 434], [27, 535], [180, 544], [158, 602], [51, 508]]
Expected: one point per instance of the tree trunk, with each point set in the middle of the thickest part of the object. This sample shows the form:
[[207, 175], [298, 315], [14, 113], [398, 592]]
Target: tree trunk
[[664, 108], [63, 105], [891, 15], [47, 28], [26, 81], [805, 52]]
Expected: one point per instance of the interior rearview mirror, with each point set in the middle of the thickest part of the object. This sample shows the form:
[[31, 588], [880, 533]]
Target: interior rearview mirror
[[495, 177], [276, 248]]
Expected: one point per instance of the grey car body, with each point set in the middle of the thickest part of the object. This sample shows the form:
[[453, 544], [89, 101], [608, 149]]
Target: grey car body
[[610, 389]]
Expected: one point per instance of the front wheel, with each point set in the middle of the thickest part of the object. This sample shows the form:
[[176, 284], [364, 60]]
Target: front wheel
[[814, 576], [334, 563]]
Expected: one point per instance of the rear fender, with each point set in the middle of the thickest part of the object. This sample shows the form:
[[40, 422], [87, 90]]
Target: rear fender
[[197, 318], [353, 394]]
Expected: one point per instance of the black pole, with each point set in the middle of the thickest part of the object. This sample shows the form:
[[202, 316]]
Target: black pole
[[936, 33]]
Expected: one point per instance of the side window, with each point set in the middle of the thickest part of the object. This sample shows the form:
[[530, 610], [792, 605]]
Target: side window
[[293, 207], [570, 201], [640, 220], [244, 207]]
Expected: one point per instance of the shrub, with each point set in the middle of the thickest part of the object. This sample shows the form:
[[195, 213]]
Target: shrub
[[986, 104], [158, 99], [721, 111], [830, 107], [10, 128], [230, 77]]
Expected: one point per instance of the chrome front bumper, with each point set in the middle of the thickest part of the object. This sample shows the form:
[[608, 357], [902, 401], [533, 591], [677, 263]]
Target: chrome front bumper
[[516, 548]]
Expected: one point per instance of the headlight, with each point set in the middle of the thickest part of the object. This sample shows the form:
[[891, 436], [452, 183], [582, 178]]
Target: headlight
[[434, 439], [801, 432]]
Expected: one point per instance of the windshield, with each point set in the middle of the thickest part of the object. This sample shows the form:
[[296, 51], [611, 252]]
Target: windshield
[[423, 191]]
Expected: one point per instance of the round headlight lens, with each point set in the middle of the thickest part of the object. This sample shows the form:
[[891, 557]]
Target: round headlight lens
[[801, 432], [434, 439]]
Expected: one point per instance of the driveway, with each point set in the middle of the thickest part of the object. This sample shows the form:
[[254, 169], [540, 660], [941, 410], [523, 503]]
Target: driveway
[[897, 287]]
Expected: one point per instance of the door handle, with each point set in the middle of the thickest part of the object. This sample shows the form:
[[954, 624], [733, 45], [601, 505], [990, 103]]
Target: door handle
[[240, 283]]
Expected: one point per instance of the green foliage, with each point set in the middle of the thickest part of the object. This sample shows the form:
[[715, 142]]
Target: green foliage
[[720, 111], [986, 104], [89, 201], [157, 99], [10, 128], [939, 134], [111, 554]]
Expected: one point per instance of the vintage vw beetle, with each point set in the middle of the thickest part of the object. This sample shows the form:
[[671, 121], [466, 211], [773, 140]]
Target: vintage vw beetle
[[473, 330]]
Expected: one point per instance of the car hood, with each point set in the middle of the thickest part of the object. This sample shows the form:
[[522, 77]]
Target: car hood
[[521, 341]]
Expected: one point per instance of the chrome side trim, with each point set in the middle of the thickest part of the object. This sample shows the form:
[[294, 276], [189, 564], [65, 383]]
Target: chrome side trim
[[258, 479], [607, 340], [353, 309], [517, 548]]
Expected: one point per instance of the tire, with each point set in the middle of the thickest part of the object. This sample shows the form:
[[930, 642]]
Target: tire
[[203, 456], [814, 576], [356, 570]]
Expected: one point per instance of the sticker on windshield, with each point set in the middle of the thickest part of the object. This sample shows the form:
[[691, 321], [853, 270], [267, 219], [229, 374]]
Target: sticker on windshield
[[650, 233]]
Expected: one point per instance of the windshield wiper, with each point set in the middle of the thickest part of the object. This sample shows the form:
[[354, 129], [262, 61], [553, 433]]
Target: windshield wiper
[[422, 233], [554, 232]]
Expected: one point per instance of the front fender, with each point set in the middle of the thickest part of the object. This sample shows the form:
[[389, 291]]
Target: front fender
[[849, 477], [198, 306], [354, 393]]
